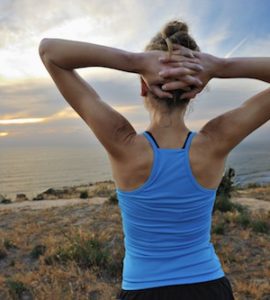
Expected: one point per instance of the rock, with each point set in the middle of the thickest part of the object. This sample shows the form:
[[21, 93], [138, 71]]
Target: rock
[[4, 200], [21, 197], [38, 197], [54, 192]]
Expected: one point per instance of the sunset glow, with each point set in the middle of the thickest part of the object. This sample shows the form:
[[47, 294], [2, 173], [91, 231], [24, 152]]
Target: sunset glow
[[21, 121], [30, 99], [3, 133]]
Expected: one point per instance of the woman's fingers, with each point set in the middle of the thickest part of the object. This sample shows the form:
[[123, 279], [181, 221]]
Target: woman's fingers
[[182, 50], [191, 94], [174, 58], [176, 72], [186, 80], [180, 68], [156, 90], [174, 85], [184, 69]]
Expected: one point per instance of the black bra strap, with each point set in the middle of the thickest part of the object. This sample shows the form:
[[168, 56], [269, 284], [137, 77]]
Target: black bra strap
[[152, 138], [150, 134], [186, 139]]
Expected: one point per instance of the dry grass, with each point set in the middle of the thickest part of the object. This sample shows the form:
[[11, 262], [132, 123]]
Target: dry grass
[[260, 192], [48, 254]]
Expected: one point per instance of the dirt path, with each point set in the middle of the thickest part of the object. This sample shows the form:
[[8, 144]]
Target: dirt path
[[252, 203], [43, 204]]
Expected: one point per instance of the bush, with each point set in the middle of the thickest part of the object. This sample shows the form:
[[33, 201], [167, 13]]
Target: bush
[[6, 201], [226, 185], [8, 244], [87, 253], [102, 189], [223, 204], [18, 290], [37, 251], [243, 219], [84, 195], [94, 295], [253, 185], [260, 226], [240, 208], [38, 197], [113, 198], [3, 253], [219, 228]]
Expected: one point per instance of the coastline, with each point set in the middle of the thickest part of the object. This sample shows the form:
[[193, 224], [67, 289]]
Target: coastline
[[253, 196], [48, 246]]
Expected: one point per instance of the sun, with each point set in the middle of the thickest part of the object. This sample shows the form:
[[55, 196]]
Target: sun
[[3, 134]]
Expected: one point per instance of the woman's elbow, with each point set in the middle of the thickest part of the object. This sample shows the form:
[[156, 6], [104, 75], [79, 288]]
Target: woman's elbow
[[44, 46]]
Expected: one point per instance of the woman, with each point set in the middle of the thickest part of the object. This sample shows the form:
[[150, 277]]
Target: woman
[[167, 176]]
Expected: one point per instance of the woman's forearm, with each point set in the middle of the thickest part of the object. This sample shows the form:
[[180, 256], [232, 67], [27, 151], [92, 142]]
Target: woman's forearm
[[70, 54], [245, 67]]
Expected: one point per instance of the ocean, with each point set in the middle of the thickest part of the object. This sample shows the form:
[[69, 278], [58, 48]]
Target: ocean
[[32, 170]]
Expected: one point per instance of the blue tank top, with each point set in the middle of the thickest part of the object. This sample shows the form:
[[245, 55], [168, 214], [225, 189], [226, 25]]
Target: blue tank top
[[167, 224]]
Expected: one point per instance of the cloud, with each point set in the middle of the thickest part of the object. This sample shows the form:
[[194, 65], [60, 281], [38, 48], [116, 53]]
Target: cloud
[[25, 22], [237, 47], [27, 91], [258, 47], [213, 42]]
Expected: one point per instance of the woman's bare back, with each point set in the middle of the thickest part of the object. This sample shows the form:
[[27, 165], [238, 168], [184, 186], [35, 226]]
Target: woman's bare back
[[206, 168]]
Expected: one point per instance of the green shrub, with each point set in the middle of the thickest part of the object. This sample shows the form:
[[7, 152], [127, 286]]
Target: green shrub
[[260, 226], [253, 185], [6, 201], [223, 203], [102, 190], [87, 253], [243, 219], [240, 208], [37, 251], [94, 295], [3, 253], [12, 263], [8, 244], [226, 185], [17, 289], [219, 228], [84, 195], [114, 267], [113, 198], [223, 195]]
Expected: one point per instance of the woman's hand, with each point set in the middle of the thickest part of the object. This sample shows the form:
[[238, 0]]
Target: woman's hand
[[152, 66], [179, 62]]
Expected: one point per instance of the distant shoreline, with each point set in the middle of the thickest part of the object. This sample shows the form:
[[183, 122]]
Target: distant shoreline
[[81, 191], [92, 189]]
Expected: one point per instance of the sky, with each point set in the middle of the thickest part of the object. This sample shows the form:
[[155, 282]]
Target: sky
[[32, 110]]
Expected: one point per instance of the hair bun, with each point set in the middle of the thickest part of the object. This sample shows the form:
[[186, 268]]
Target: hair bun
[[174, 27]]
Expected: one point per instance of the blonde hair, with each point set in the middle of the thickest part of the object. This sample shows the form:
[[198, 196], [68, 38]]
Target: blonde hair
[[173, 32]]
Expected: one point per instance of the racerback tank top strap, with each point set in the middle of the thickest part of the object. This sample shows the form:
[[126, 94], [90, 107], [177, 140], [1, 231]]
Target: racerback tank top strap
[[188, 141], [152, 141], [155, 145]]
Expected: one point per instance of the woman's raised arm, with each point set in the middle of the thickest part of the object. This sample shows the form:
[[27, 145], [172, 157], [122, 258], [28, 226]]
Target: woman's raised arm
[[61, 58], [228, 129]]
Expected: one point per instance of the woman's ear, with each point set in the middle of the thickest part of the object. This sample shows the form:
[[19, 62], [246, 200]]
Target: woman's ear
[[144, 88]]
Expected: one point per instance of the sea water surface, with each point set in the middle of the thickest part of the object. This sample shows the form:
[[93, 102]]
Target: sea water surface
[[32, 170]]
